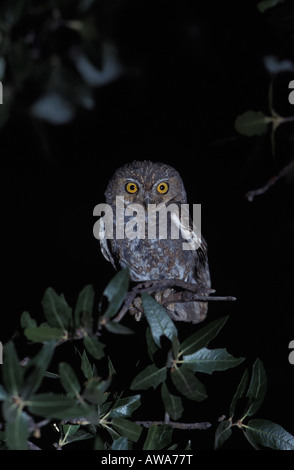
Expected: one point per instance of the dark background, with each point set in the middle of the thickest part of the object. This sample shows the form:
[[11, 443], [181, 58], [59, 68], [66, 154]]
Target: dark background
[[191, 71]]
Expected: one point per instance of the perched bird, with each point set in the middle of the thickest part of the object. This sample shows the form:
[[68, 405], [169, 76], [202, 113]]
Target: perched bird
[[141, 184]]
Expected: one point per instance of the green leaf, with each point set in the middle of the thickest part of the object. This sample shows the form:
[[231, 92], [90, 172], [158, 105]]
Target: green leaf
[[172, 447], [115, 435], [56, 310], [53, 108], [210, 360], [69, 429], [111, 369], [99, 444], [43, 334], [188, 446], [149, 377], [116, 292], [12, 370], [175, 347], [93, 346], [84, 307], [126, 428], [202, 337], [111, 70], [266, 4], [86, 367], [223, 432], [274, 66], [17, 430], [78, 435], [268, 434], [95, 390], [51, 405], [187, 384], [158, 437], [159, 321], [117, 328], [240, 392], [3, 394], [27, 321], [125, 407], [120, 444], [151, 346], [252, 123], [257, 388], [105, 407], [9, 409], [69, 379], [172, 404], [36, 369]]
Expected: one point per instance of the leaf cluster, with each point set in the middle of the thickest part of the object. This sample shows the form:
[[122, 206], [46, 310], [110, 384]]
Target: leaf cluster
[[52, 59], [257, 123], [259, 432], [83, 403]]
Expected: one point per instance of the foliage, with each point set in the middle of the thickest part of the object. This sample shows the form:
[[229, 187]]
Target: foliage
[[256, 123], [84, 405], [62, 79]]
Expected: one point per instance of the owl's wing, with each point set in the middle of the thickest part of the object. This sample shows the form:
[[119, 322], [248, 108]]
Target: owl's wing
[[105, 243], [195, 243], [104, 246]]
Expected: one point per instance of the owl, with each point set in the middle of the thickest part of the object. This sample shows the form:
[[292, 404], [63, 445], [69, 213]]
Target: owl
[[141, 184]]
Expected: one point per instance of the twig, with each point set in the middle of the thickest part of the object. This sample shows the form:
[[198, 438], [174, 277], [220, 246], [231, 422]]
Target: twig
[[173, 424], [181, 297], [256, 192], [162, 284], [191, 292], [126, 305]]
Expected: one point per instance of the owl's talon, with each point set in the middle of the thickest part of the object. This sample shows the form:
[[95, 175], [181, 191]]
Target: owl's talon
[[136, 309], [138, 316]]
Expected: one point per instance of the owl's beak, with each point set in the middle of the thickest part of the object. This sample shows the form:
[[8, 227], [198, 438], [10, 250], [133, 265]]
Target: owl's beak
[[146, 201]]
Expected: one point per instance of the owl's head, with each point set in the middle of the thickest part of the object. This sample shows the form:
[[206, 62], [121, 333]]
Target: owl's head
[[146, 183]]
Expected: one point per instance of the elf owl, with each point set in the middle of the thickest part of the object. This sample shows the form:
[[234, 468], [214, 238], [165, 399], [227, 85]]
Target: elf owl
[[154, 258]]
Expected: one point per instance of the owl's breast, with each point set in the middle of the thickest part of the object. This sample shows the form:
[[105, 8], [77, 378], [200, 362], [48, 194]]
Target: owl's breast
[[155, 259]]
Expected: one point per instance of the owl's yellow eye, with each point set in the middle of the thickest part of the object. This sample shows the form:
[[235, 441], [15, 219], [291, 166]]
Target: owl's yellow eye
[[162, 188], [131, 188]]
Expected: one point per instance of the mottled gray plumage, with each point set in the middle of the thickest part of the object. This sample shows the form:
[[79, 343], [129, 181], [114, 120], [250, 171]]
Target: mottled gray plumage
[[153, 259]]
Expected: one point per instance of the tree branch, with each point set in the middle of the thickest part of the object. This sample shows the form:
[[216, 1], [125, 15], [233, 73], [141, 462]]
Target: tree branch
[[190, 297], [173, 424], [190, 293], [284, 172]]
